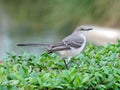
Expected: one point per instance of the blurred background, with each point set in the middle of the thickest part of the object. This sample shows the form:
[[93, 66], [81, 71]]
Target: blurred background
[[41, 21]]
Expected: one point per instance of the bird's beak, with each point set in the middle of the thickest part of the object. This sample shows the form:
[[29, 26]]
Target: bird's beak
[[88, 29]]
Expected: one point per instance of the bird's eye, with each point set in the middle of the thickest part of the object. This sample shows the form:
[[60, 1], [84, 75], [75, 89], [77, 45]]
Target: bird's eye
[[82, 29]]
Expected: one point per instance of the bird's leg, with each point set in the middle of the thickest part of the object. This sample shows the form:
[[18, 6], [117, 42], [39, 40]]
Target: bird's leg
[[66, 63]]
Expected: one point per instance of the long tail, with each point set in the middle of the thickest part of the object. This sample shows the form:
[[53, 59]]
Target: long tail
[[33, 44]]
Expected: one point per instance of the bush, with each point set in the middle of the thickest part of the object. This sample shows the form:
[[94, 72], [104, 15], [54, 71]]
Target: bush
[[98, 67]]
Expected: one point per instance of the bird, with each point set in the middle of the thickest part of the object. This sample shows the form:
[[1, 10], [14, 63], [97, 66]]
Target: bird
[[68, 47]]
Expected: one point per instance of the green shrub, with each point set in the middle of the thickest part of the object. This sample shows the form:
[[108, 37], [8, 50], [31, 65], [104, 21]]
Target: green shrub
[[97, 68]]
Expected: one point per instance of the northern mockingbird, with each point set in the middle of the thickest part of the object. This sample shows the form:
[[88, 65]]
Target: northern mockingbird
[[69, 46]]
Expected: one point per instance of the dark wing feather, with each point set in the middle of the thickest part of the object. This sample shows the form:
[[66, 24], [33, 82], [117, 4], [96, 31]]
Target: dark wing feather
[[73, 44], [58, 47]]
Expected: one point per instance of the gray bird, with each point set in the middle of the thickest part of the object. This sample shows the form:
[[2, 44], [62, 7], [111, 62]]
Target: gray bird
[[69, 46]]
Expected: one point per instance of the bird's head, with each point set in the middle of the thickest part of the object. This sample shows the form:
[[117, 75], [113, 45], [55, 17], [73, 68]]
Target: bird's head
[[82, 29]]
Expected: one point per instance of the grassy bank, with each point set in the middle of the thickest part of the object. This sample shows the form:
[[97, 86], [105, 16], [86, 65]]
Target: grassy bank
[[96, 68]]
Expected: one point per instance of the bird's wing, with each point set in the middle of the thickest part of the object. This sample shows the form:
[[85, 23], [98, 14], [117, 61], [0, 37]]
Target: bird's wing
[[73, 41], [67, 44]]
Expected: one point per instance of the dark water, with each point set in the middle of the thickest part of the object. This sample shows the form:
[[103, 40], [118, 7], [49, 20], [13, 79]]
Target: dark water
[[9, 38], [8, 41]]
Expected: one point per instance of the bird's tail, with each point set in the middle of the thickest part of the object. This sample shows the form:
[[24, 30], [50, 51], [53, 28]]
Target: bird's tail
[[33, 44]]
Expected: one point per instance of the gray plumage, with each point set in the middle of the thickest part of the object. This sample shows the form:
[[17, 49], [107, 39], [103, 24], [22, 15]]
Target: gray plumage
[[72, 44]]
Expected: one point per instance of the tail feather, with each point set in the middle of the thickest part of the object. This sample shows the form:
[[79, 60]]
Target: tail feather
[[33, 44]]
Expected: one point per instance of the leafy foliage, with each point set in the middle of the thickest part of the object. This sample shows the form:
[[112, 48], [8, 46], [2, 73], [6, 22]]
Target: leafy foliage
[[96, 68]]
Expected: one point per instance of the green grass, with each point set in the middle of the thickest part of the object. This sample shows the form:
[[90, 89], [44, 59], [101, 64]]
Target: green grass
[[97, 68]]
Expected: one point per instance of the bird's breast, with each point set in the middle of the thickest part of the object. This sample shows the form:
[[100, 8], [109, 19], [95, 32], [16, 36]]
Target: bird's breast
[[69, 53]]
